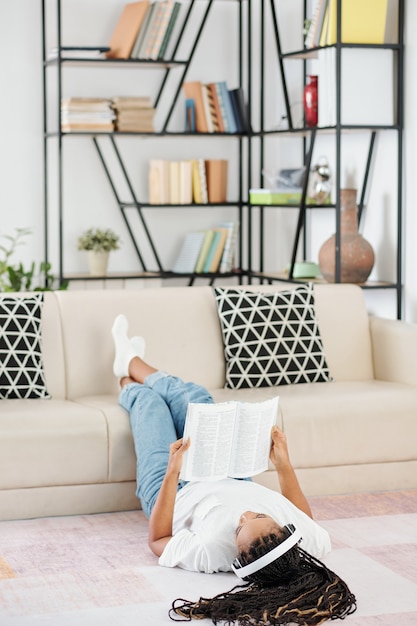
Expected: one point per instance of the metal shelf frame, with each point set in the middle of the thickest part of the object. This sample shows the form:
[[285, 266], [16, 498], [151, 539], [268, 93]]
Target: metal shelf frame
[[309, 136], [181, 67]]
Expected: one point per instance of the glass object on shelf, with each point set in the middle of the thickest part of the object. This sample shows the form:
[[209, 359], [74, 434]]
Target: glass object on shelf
[[320, 183]]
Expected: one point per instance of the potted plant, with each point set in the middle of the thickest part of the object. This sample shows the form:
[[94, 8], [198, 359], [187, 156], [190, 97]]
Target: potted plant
[[98, 243]]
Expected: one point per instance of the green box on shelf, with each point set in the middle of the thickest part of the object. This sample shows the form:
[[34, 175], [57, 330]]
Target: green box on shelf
[[264, 197], [274, 196]]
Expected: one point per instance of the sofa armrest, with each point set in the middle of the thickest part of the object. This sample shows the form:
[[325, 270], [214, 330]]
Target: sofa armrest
[[394, 348]]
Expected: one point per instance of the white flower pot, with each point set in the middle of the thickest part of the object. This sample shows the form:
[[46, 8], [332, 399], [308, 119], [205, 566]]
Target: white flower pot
[[98, 261]]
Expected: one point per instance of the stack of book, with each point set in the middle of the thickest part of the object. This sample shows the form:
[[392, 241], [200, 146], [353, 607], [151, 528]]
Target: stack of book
[[144, 30], [215, 108], [207, 251], [195, 181], [134, 114], [87, 114], [363, 22]]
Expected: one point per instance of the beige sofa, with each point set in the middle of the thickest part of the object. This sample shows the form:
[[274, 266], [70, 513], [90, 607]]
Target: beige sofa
[[74, 453]]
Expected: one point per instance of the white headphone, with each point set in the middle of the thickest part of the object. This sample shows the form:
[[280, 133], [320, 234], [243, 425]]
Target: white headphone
[[246, 570]]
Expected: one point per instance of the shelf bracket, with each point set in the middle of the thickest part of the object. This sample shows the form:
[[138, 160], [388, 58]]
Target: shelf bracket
[[187, 65], [136, 203], [361, 202], [281, 65], [302, 212]]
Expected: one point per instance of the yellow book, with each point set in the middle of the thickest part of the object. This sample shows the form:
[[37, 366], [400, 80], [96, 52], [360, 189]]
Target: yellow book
[[208, 238], [197, 195], [218, 252], [363, 21]]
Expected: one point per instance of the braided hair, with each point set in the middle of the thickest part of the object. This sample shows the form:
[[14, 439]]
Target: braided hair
[[296, 588]]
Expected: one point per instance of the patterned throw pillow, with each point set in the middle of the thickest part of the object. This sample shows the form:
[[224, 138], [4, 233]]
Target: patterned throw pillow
[[21, 370], [270, 338]]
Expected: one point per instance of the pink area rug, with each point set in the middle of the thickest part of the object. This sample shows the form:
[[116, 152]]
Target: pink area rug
[[97, 569]]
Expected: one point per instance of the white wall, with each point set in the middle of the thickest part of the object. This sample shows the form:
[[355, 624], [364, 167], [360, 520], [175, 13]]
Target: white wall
[[88, 200]]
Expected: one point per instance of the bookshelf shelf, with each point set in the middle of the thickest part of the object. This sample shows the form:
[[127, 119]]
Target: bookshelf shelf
[[115, 63]]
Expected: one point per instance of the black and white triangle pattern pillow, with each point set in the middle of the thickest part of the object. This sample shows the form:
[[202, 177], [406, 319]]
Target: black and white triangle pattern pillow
[[270, 338], [21, 370]]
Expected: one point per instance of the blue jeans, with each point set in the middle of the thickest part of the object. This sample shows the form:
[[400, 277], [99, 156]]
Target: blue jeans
[[157, 412]]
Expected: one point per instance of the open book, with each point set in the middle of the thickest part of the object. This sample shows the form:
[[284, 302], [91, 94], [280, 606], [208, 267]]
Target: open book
[[228, 439]]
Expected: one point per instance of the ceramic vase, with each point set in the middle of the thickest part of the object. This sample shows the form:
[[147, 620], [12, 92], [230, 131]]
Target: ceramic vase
[[98, 262], [356, 254], [310, 101]]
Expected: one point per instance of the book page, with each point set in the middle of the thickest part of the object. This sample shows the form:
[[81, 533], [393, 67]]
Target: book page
[[210, 429], [252, 439]]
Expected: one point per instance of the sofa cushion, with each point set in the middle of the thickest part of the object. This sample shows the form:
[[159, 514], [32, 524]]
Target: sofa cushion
[[270, 339], [21, 368], [349, 423], [47, 443]]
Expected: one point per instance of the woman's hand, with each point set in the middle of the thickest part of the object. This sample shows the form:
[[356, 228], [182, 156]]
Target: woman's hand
[[290, 487], [279, 450], [176, 453]]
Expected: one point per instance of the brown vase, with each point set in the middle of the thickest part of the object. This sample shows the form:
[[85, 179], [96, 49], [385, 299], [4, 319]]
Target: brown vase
[[356, 254]]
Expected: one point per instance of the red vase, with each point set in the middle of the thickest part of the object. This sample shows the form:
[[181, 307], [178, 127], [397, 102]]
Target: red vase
[[311, 107]]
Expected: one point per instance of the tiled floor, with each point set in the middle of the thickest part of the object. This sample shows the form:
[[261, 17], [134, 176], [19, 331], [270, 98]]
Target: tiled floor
[[87, 570]]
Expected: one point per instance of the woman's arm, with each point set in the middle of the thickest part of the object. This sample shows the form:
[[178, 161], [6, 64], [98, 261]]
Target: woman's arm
[[160, 521], [288, 481]]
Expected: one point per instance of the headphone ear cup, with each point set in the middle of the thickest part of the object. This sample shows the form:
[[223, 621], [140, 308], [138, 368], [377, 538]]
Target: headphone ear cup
[[236, 563]]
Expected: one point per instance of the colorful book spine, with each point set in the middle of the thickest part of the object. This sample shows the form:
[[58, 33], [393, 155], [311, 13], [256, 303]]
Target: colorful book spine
[[167, 9], [169, 31], [193, 91], [199, 268], [210, 254], [142, 32], [225, 98], [227, 260], [214, 102]]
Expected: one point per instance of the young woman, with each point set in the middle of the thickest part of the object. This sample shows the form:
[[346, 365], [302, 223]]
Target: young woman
[[268, 538]]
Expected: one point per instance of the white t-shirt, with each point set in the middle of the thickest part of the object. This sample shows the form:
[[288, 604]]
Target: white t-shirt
[[207, 514]]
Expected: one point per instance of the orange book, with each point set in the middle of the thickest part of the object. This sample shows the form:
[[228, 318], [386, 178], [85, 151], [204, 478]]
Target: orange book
[[127, 28], [193, 90], [215, 106], [216, 171]]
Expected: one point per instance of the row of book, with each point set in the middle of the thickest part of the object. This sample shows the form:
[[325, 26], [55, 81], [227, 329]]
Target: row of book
[[213, 108], [144, 30], [193, 181], [208, 251], [121, 113], [362, 22]]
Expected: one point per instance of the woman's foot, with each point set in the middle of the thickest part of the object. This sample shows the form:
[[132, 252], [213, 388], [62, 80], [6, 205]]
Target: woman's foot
[[124, 350]]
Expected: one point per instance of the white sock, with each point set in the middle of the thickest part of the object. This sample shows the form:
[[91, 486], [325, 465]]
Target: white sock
[[138, 344], [124, 351]]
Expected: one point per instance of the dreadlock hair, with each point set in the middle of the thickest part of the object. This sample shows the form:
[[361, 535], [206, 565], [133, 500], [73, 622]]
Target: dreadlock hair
[[296, 588]]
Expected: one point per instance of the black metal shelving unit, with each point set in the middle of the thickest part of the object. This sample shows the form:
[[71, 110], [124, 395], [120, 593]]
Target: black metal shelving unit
[[338, 130], [252, 14], [138, 205]]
